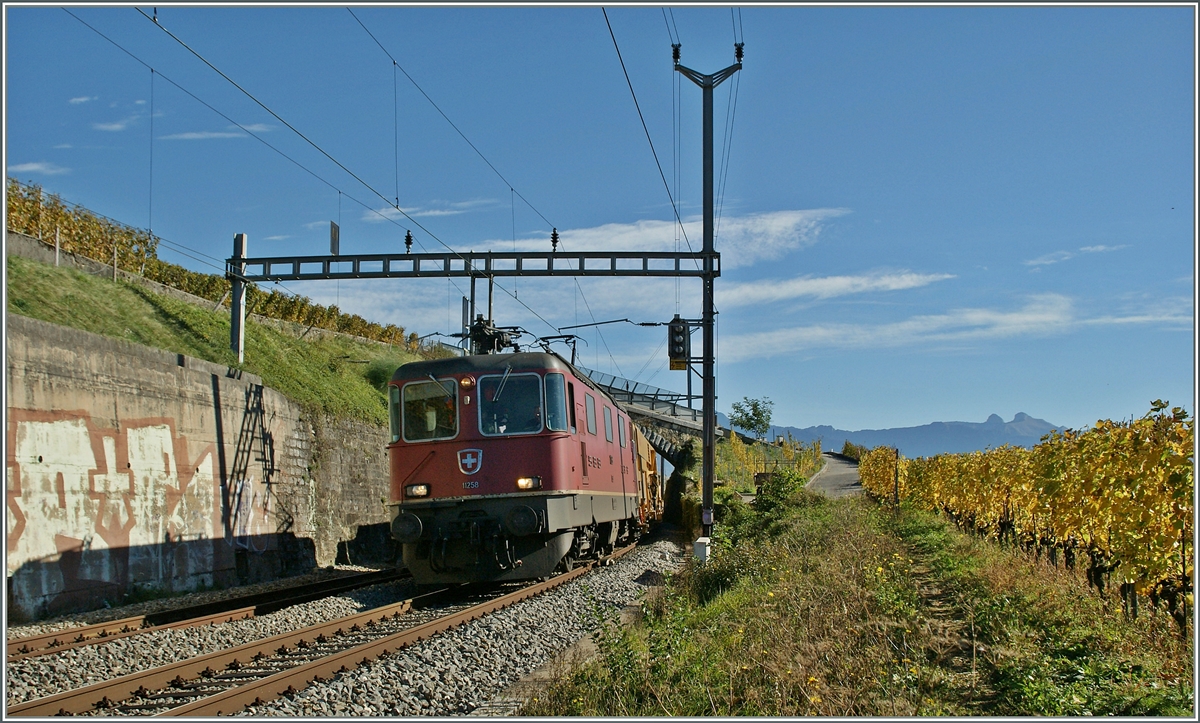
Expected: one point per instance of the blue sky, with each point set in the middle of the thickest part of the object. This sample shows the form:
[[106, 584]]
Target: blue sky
[[929, 214]]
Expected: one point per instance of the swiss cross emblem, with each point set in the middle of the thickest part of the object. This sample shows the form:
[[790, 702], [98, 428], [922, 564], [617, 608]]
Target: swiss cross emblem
[[470, 460]]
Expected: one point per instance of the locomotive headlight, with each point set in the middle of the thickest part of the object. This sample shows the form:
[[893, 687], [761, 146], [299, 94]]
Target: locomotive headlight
[[416, 491], [467, 382], [529, 483]]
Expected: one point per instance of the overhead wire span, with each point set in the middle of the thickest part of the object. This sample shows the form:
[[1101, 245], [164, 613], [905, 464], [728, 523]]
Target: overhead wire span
[[150, 185], [335, 161], [647, 130], [512, 190], [443, 114], [244, 129]]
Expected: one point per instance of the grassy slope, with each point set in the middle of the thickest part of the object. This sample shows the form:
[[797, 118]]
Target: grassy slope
[[336, 375], [837, 608]]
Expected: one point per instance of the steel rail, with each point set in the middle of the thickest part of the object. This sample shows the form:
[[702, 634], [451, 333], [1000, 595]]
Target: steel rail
[[102, 695], [300, 677], [221, 611], [142, 684], [107, 633]]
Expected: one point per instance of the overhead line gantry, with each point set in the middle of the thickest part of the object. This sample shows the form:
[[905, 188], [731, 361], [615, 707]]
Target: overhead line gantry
[[705, 265]]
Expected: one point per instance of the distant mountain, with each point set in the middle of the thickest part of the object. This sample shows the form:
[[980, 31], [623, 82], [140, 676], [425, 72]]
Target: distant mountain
[[928, 439]]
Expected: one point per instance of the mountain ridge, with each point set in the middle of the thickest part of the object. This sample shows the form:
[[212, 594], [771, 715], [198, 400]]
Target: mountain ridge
[[927, 439]]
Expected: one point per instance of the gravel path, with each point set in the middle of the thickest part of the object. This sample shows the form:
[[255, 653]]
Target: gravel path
[[458, 671], [49, 674]]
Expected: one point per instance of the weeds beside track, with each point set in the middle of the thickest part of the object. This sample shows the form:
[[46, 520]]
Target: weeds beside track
[[840, 607]]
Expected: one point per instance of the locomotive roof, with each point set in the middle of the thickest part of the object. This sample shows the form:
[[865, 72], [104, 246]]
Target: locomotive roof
[[482, 364], [487, 363]]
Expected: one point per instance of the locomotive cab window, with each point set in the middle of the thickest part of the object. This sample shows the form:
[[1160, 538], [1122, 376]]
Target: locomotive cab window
[[571, 405], [430, 410], [394, 412], [510, 404], [621, 431], [556, 402], [590, 403], [608, 424]]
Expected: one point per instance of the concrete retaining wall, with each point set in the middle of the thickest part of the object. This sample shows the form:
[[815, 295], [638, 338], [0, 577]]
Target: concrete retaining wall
[[130, 467]]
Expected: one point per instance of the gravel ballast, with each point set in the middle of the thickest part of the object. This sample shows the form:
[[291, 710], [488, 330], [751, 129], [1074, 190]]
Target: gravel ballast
[[450, 674], [57, 672], [458, 671]]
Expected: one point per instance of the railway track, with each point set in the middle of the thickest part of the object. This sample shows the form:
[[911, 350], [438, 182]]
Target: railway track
[[212, 613], [227, 681]]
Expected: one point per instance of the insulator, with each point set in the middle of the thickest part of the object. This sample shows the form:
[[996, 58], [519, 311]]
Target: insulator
[[554, 240], [737, 51], [408, 242], [675, 52]]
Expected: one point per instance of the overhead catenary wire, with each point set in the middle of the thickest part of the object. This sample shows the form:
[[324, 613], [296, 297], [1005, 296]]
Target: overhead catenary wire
[[730, 118], [336, 162], [629, 82], [512, 190], [150, 185], [443, 114], [675, 135], [177, 247]]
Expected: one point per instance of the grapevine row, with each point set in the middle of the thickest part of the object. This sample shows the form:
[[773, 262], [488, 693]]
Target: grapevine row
[[85, 233], [1120, 492]]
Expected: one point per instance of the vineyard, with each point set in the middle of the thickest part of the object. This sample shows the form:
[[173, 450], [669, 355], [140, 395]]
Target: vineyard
[[1120, 493], [85, 233], [737, 462]]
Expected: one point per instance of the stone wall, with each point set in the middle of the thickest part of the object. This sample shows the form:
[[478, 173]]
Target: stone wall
[[130, 467]]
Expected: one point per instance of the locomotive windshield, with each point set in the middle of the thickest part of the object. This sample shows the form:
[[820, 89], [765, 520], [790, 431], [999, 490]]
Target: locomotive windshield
[[510, 404], [430, 410]]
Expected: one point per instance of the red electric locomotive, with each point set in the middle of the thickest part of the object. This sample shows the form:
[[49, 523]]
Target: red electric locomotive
[[510, 466]]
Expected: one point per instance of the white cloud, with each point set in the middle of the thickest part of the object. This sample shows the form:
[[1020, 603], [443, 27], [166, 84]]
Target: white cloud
[[201, 135], [444, 208], [316, 224], [766, 291], [1043, 314], [64, 145], [276, 238], [115, 125], [742, 240], [255, 127], [1052, 258], [1057, 256], [139, 102], [82, 99], [43, 168]]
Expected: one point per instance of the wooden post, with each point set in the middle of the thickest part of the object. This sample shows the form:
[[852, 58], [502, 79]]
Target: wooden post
[[114, 260], [896, 484], [57, 245]]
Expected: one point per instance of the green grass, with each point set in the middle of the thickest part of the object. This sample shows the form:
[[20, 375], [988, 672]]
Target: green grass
[[838, 608], [336, 375]]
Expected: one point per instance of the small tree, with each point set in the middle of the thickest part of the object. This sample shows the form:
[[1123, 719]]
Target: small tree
[[753, 415]]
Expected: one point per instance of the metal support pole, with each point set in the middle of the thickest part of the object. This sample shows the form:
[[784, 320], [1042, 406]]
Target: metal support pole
[[114, 260], [57, 245], [708, 376], [471, 345], [491, 291], [466, 325], [237, 305]]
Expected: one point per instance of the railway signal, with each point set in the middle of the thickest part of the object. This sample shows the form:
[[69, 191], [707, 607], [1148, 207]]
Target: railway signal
[[679, 343]]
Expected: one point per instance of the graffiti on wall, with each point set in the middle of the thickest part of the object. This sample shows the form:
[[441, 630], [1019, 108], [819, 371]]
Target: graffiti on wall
[[99, 506]]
